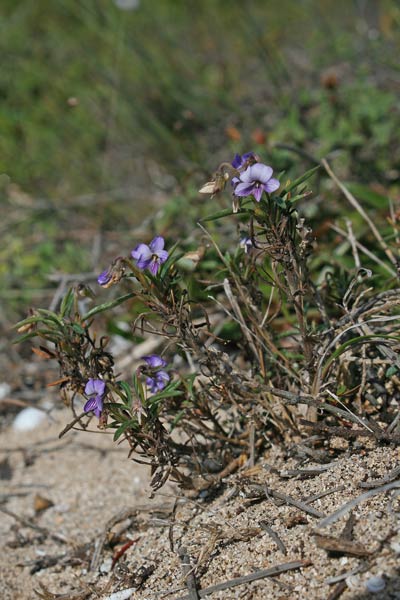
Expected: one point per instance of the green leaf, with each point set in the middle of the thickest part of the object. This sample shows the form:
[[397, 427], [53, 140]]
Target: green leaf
[[78, 328], [300, 180], [372, 198], [137, 384], [127, 391], [359, 340], [225, 213], [67, 303], [108, 305], [132, 423], [392, 371]]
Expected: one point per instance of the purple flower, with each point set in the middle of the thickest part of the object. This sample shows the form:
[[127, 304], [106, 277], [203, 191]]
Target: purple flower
[[150, 256], [95, 389], [255, 180], [158, 381], [104, 278], [113, 274], [154, 361], [240, 160], [246, 244]]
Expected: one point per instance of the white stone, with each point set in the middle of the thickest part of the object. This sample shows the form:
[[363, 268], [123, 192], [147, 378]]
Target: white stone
[[375, 584], [28, 419]]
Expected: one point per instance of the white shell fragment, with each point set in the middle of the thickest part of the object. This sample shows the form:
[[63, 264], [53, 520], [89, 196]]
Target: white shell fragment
[[28, 419], [375, 584], [121, 595]]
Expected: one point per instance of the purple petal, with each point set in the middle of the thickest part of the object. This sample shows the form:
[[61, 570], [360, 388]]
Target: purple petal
[[90, 387], [244, 189], [257, 192], [157, 244], [94, 404], [153, 266], [99, 407], [272, 185], [142, 252], [152, 384], [143, 263], [104, 277], [154, 361], [237, 161], [246, 176], [162, 255], [162, 378], [99, 387], [260, 172]]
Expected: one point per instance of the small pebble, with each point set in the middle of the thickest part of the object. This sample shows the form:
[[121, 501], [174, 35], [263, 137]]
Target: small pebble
[[375, 584], [28, 419]]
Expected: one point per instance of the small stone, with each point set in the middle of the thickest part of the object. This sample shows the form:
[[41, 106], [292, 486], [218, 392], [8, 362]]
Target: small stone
[[375, 584], [28, 419]]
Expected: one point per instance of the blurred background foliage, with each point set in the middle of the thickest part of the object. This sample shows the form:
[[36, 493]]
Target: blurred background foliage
[[110, 109]]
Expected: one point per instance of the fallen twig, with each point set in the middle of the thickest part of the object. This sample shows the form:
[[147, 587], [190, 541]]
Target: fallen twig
[[26, 523], [340, 545], [352, 503], [276, 570], [382, 481], [315, 497], [297, 503], [274, 536], [190, 578]]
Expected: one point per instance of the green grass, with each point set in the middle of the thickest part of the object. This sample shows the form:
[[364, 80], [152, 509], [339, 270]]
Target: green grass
[[96, 99]]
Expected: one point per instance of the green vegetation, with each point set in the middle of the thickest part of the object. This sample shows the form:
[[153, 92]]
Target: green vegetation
[[100, 108]]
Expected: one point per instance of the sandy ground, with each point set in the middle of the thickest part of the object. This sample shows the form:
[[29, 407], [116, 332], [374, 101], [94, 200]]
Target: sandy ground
[[101, 507]]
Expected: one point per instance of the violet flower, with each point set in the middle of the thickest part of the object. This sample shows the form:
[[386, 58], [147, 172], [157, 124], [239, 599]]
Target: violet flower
[[255, 180], [150, 256], [104, 278], [240, 160], [154, 361], [158, 381], [113, 274], [246, 244], [158, 378], [95, 389]]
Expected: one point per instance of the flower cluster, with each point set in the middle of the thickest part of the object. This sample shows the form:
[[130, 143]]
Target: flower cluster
[[150, 256], [94, 389], [254, 177], [157, 378]]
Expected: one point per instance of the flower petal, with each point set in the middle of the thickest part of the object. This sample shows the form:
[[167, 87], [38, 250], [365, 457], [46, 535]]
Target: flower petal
[[272, 185], [99, 387], [246, 176], [104, 277], [90, 387], [153, 266], [162, 256], [162, 377], [91, 404], [244, 189], [154, 361], [257, 192], [157, 244], [99, 407], [260, 172], [237, 161], [142, 252]]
